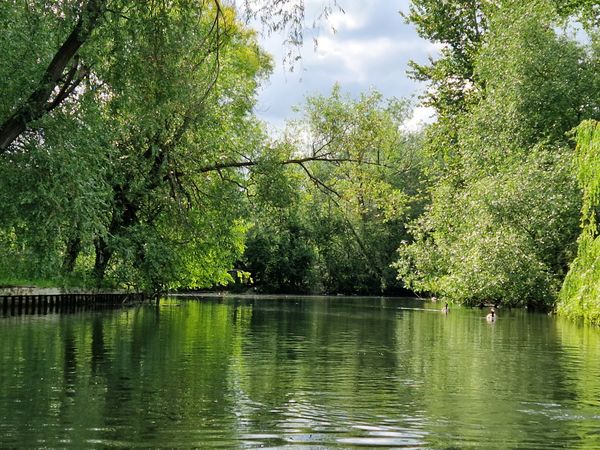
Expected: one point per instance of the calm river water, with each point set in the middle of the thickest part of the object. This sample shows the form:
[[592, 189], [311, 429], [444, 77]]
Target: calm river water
[[298, 373]]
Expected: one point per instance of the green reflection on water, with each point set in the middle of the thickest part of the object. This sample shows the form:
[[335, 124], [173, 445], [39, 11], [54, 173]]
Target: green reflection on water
[[330, 372]]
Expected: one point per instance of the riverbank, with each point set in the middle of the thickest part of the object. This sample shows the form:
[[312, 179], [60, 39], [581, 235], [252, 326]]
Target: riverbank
[[224, 294]]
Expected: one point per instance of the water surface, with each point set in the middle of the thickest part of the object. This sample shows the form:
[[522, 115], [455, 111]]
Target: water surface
[[298, 372]]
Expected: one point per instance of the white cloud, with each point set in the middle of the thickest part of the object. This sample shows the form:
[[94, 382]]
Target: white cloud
[[348, 21], [355, 56], [364, 59], [421, 116]]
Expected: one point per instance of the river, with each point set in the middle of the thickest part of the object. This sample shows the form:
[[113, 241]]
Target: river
[[310, 372]]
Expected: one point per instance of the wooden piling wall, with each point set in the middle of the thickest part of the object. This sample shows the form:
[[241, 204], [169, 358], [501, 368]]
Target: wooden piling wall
[[43, 304]]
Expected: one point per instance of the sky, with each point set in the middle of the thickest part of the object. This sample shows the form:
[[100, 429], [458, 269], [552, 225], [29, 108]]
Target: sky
[[370, 48]]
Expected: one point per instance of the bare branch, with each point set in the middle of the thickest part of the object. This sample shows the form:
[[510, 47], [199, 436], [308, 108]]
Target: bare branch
[[318, 182]]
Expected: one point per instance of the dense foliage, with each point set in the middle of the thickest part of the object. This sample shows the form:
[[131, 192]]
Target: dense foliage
[[580, 295], [502, 222], [119, 183]]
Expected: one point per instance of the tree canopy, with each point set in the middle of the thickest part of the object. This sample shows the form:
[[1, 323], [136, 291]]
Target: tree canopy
[[338, 228], [502, 221]]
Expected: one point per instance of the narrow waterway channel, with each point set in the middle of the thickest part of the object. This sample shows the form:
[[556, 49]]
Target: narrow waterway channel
[[298, 372]]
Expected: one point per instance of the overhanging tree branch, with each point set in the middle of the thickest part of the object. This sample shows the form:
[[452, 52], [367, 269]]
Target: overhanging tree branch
[[39, 103], [299, 161]]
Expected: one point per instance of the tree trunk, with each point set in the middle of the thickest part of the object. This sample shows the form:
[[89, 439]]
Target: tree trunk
[[124, 215], [103, 255], [71, 254]]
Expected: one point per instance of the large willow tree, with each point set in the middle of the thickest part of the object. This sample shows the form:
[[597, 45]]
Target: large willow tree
[[116, 179], [580, 295]]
